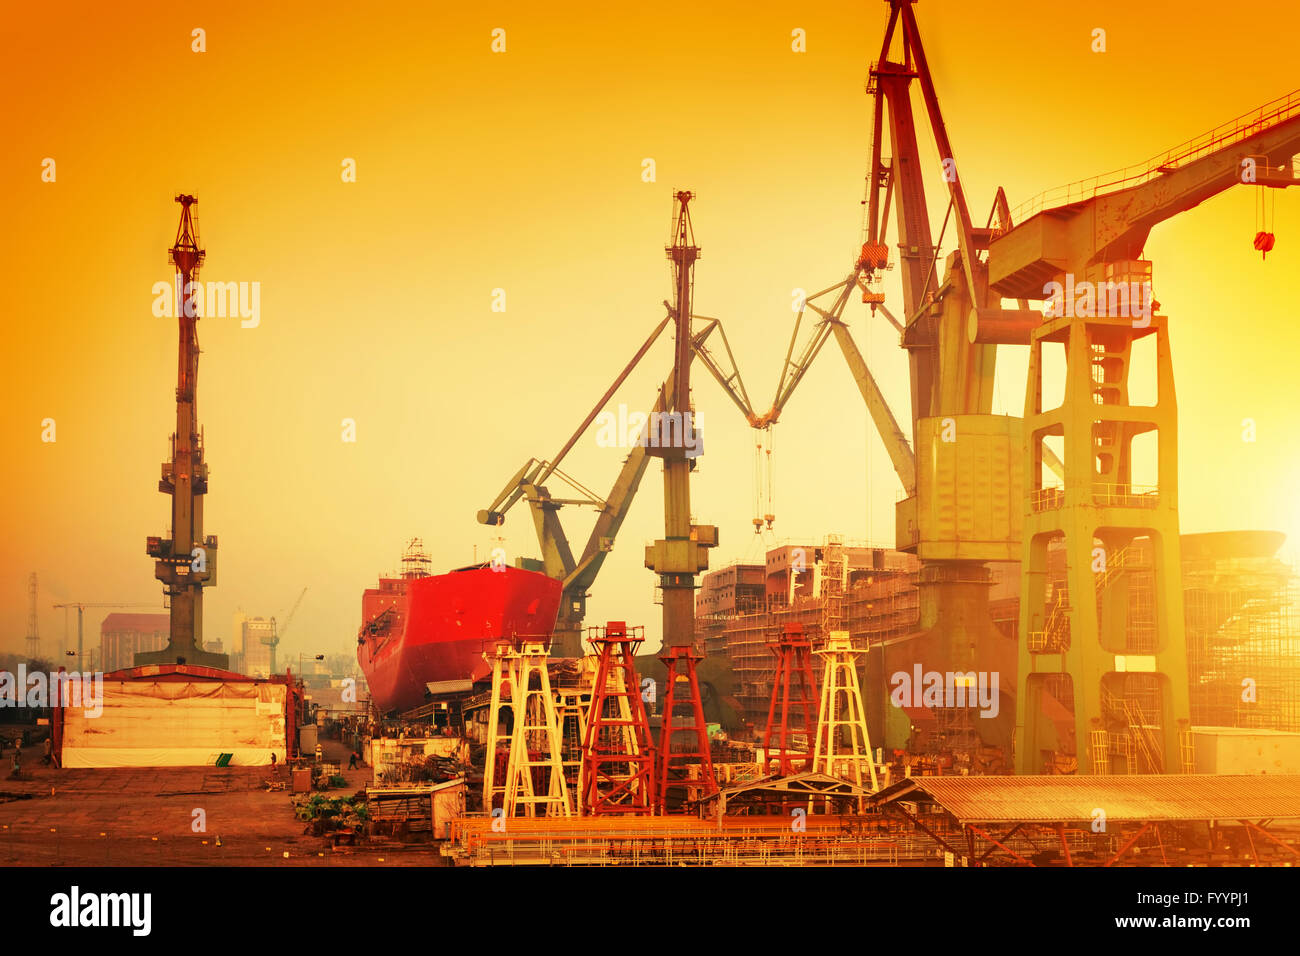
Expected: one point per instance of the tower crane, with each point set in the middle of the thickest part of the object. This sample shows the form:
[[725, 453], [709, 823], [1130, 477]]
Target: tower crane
[[33, 625], [186, 562], [273, 641], [81, 610]]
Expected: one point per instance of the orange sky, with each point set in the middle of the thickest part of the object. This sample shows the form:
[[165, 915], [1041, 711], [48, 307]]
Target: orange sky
[[522, 171]]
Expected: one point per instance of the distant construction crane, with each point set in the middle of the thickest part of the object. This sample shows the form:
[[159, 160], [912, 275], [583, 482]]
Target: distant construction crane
[[187, 562], [81, 608], [273, 640], [33, 627]]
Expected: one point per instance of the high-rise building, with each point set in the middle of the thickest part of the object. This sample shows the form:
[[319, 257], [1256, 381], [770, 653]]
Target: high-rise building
[[257, 639]]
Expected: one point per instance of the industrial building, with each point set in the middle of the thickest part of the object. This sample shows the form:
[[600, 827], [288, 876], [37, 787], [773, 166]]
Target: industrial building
[[122, 636]]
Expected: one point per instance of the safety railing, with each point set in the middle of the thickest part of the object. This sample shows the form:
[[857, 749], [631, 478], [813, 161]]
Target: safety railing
[[1104, 494], [1125, 495], [646, 841], [1046, 499], [1234, 131]]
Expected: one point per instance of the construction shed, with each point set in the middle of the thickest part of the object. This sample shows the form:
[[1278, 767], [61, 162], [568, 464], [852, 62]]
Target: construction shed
[[1103, 820], [180, 715]]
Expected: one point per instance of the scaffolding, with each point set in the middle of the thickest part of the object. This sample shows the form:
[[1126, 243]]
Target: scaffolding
[[1240, 623], [1243, 642], [871, 592]]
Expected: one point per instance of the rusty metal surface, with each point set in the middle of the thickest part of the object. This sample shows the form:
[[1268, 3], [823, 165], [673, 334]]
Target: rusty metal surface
[[1132, 798]]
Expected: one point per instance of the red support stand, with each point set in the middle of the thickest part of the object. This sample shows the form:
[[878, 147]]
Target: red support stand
[[676, 759], [796, 690], [618, 768]]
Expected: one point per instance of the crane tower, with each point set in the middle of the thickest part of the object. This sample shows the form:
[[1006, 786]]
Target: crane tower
[[187, 562], [683, 551]]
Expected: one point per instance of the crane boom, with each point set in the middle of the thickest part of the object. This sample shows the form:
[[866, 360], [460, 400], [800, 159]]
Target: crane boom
[[558, 560], [895, 441], [1109, 226], [292, 611]]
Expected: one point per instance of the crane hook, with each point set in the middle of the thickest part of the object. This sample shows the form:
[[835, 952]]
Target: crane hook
[[1264, 242]]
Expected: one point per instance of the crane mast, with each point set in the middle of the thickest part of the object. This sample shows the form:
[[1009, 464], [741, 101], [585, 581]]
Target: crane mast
[[33, 625], [187, 562], [683, 551], [960, 474]]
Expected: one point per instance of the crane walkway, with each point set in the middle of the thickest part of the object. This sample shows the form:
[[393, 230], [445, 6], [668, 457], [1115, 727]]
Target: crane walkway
[[1271, 114]]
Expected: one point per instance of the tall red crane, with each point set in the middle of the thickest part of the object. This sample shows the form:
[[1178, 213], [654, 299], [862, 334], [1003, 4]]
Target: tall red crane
[[683, 551], [186, 563]]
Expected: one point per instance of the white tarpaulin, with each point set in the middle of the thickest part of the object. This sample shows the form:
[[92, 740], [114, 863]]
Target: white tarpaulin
[[178, 724]]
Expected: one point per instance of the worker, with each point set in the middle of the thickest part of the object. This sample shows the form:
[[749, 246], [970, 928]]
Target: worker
[[48, 748], [17, 764], [319, 753], [352, 760]]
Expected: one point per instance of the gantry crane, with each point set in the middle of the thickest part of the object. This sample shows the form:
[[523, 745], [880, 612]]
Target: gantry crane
[[964, 471], [1127, 677], [186, 563], [81, 609]]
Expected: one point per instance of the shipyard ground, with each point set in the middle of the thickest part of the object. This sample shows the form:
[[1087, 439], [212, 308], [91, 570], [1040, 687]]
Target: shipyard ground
[[144, 817]]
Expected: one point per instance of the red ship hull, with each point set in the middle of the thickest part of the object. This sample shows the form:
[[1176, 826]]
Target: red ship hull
[[422, 630]]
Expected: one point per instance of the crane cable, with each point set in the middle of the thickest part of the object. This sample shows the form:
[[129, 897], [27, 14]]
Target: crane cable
[[770, 514], [764, 479]]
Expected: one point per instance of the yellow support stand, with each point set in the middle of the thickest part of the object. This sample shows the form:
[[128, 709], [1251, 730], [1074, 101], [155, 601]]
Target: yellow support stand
[[504, 682], [841, 709], [571, 705], [536, 730]]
